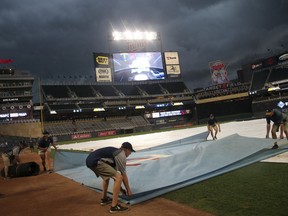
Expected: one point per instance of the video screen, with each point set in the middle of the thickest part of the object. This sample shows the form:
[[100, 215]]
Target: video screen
[[138, 66]]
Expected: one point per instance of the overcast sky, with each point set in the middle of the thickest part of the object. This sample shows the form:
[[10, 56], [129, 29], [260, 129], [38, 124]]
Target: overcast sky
[[58, 37]]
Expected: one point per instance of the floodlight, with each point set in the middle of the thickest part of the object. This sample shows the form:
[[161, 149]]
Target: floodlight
[[178, 104], [137, 35], [53, 112], [98, 109], [116, 35], [140, 107], [273, 88]]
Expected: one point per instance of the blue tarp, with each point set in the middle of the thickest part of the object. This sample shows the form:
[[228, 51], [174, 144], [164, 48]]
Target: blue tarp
[[161, 169]]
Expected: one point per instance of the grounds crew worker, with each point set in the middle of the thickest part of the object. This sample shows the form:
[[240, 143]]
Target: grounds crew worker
[[44, 147], [278, 118], [213, 124], [10, 156], [110, 162]]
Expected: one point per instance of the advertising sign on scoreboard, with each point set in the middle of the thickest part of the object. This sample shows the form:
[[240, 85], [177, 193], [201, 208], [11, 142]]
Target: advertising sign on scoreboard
[[102, 64], [103, 74], [171, 58], [173, 70], [172, 64]]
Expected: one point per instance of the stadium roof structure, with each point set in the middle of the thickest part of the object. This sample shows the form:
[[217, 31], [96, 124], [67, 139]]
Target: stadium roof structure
[[269, 80]]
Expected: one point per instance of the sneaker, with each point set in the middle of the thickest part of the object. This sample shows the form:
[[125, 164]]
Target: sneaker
[[275, 146], [106, 201], [118, 208], [50, 171]]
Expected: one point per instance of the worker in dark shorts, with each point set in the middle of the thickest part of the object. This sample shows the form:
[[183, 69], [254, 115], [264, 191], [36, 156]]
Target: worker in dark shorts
[[110, 162], [213, 125], [44, 150], [278, 118]]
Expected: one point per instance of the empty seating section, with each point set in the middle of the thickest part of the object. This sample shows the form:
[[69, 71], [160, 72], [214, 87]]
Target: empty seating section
[[94, 125], [59, 128], [259, 79], [115, 103], [105, 90], [128, 90], [56, 91], [120, 123], [67, 99], [175, 87], [82, 90], [137, 102], [63, 107], [90, 105], [151, 89], [85, 91], [66, 127], [139, 121], [278, 74], [128, 122]]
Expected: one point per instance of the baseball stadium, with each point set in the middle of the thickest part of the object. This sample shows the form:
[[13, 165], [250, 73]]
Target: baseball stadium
[[137, 95]]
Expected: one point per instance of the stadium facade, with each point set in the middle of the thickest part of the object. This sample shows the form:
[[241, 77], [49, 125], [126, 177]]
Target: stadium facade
[[142, 97], [16, 94]]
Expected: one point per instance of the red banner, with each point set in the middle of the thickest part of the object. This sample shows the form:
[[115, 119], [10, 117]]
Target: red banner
[[6, 61], [106, 133], [81, 136]]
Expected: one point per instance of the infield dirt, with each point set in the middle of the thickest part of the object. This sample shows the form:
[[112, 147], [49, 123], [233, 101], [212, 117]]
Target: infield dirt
[[53, 194]]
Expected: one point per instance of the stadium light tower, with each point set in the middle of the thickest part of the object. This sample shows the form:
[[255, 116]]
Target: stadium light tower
[[134, 36], [137, 35]]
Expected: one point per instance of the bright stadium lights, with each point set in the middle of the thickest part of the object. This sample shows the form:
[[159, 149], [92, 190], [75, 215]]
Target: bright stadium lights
[[140, 107], [274, 88], [53, 112], [98, 109], [137, 35], [178, 104]]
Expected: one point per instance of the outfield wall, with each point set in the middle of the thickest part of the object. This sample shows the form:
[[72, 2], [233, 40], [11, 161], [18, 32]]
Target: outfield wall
[[25, 129]]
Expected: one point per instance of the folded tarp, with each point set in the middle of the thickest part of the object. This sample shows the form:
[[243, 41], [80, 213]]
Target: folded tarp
[[22, 170], [158, 170]]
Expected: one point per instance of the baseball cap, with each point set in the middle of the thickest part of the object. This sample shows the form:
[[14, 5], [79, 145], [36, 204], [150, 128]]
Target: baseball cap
[[127, 145]]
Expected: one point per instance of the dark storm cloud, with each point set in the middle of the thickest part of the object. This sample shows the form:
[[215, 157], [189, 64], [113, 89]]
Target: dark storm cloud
[[52, 38]]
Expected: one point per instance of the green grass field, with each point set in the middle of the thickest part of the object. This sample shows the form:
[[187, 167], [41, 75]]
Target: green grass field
[[259, 189]]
